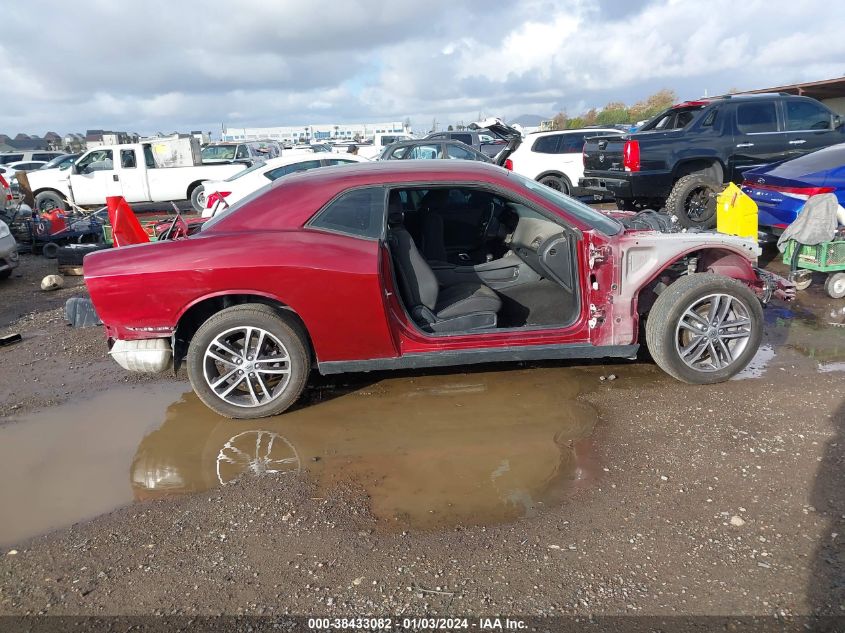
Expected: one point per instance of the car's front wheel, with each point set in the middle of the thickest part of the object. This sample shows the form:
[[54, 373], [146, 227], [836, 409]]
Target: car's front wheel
[[704, 328], [248, 361], [198, 198]]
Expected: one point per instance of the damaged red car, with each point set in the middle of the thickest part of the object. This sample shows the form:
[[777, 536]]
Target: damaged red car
[[414, 264]]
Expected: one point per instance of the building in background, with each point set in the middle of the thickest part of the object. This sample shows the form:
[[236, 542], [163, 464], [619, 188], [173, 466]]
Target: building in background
[[96, 138], [830, 92], [317, 132]]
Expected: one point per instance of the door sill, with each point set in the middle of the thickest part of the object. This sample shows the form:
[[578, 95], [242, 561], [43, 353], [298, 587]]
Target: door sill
[[447, 358]]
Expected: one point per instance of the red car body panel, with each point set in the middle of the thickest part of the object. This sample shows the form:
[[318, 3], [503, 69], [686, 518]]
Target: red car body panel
[[340, 286]]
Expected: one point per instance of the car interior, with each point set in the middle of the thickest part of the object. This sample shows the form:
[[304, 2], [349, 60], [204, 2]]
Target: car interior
[[468, 259]]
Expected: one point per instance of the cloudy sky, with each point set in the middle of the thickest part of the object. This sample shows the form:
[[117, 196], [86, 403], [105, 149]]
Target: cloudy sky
[[149, 65]]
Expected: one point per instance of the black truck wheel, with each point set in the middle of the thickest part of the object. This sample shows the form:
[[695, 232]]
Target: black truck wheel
[[693, 201], [704, 328]]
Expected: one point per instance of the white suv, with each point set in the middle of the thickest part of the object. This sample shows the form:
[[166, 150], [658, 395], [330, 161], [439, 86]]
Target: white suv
[[554, 158]]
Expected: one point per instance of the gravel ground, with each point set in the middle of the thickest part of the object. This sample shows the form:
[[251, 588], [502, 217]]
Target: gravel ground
[[719, 500]]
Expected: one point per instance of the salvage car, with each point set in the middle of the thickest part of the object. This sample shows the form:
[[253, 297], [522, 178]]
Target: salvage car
[[416, 264], [780, 190], [219, 195]]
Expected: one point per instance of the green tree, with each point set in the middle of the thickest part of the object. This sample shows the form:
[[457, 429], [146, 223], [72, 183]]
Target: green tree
[[613, 113], [450, 129], [560, 120]]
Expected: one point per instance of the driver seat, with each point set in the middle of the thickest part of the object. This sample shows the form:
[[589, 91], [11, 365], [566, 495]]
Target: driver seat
[[457, 308]]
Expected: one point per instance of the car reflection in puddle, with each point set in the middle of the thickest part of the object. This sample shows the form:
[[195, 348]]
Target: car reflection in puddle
[[430, 451]]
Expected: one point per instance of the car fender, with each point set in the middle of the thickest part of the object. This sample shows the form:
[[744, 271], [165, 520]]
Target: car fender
[[642, 257]]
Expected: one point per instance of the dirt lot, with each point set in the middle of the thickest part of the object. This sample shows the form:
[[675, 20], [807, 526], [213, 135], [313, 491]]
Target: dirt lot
[[529, 489]]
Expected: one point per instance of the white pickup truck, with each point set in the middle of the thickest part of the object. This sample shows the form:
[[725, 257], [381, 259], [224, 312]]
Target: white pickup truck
[[121, 170], [380, 141]]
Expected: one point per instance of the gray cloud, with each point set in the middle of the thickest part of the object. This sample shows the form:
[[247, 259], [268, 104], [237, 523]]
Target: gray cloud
[[155, 65]]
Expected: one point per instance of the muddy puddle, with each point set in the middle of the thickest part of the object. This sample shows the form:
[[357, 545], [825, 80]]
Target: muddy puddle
[[431, 451]]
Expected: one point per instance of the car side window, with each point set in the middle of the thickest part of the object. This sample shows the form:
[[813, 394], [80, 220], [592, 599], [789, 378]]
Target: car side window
[[330, 162], [284, 170], [546, 144], [149, 159], [127, 159], [359, 212], [98, 160], [425, 152], [43, 157], [243, 152], [463, 138], [399, 152], [805, 115], [571, 144], [461, 153], [756, 118]]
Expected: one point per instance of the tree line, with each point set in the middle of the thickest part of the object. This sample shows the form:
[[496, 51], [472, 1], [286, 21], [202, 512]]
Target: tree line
[[617, 112]]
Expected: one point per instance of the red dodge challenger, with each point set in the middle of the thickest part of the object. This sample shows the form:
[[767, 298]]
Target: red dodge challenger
[[413, 264]]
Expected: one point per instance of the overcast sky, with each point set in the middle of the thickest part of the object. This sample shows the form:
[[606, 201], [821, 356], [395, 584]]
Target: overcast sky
[[149, 65]]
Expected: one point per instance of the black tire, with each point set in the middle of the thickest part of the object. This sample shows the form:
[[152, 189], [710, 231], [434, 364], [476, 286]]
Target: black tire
[[50, 250], [73, 254], [284, 329], [693, 201], [558, 183], [48, 201], [664, 336], [834, 285], [198, 198]]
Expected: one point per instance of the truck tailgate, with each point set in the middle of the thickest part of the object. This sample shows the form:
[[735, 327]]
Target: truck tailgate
[[604, 153]]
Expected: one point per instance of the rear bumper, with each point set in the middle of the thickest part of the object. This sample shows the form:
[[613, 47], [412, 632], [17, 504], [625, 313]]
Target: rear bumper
[[639, 185], [151, 355]]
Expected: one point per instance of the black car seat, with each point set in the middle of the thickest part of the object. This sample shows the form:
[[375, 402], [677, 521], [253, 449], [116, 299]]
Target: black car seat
[[455, 308]]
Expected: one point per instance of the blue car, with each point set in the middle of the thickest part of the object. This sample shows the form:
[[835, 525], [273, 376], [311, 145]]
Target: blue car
[[781, 189]]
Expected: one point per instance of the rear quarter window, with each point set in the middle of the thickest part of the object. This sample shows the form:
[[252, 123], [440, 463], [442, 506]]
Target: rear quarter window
[[359, 213], [546, 144]]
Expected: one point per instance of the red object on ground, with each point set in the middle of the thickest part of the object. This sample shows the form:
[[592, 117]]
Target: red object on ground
[[126, 229], [57, 220]]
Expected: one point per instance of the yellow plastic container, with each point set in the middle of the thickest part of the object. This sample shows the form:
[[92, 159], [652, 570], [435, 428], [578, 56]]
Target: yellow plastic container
[[736, 213]]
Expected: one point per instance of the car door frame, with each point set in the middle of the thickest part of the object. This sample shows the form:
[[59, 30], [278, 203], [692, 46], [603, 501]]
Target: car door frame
[[84, 187], [796, 140], [770, 146], [413, 341]]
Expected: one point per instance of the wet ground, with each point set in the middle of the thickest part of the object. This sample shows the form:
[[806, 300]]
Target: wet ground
[[539, 487], [408, 442]]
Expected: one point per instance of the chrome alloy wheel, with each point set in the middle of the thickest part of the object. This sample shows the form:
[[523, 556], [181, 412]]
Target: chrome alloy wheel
[[246, 366], [713, 332]]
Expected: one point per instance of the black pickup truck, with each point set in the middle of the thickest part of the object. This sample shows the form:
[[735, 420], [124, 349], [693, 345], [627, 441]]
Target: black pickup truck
[[682, 157]]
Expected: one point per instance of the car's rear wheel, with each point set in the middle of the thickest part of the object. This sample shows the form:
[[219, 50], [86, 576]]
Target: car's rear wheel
[[558, 183], [248, 361], [704, 328]]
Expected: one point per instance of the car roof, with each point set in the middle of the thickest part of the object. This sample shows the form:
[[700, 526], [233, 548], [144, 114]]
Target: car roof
[[292, 158], [578, 130]]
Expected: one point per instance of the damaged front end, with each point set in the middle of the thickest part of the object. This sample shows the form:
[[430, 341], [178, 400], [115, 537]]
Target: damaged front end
[[773, 286]]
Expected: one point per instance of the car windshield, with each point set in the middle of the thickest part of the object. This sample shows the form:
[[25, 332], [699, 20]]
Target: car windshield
[[575, 208], [218, 152], [258, 165]]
